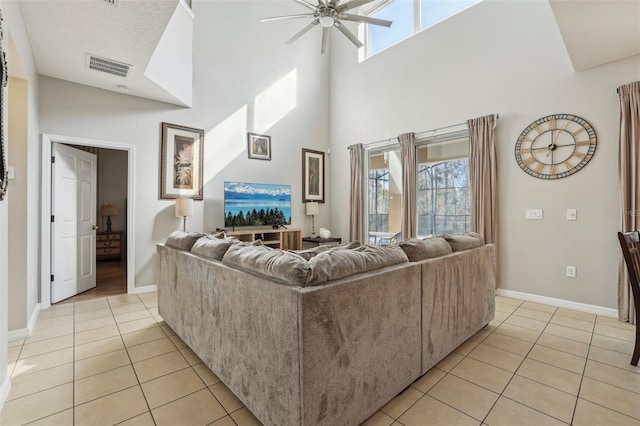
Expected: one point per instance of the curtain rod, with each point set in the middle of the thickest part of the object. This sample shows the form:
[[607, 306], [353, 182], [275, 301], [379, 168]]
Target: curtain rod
[[393, 140]]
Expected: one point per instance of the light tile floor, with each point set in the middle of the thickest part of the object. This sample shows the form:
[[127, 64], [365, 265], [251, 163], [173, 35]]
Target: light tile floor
[[114, 361]]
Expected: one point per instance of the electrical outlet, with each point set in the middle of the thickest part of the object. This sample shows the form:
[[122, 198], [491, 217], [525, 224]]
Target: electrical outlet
[[571, 271]]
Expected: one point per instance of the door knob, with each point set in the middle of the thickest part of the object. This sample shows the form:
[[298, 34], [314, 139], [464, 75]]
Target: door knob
[[94, 227]]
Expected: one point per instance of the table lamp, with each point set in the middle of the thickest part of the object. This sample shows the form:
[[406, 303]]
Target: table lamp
[[184, 208], [108, 211], [313, 210]]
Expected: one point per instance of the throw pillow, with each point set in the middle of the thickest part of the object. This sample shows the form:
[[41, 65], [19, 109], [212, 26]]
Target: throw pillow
[[427, 248], [212, 248], [465, 241], [183, 240]]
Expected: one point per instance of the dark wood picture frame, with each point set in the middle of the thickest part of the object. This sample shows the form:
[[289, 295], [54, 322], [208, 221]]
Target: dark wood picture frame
[[181, 163], [4, 78], [259, 146], [312, 176]]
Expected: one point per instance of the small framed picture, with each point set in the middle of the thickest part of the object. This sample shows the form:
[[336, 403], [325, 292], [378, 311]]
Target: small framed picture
[[312, 176], [181, 166], [259, 146]]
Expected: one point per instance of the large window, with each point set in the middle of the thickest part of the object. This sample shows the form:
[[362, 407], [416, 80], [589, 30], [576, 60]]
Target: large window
[[409, 18], [443, 200]]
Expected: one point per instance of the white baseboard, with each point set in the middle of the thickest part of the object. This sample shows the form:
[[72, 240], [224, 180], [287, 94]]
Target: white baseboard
[[5, 387], [144, 289], [23, 333], [593, 309]]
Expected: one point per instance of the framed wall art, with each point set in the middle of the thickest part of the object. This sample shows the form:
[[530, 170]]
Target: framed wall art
[[181, 165], [4, 75], [312, 176], [259, 146]]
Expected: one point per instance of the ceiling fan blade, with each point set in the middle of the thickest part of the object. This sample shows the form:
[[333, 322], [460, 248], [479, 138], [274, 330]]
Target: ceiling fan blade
[[352, 4], [305, 4], [302, 32], [325, 39], [365, 19], [282, 18], [349, 34]]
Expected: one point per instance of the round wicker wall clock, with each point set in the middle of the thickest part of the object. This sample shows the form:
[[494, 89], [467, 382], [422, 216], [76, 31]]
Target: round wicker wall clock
[[555, 146]]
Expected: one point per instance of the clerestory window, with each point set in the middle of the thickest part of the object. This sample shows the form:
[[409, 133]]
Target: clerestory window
[[409, 18]]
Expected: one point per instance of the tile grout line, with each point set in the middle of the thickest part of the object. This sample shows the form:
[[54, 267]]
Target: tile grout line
[[131, 363], [518, 368]]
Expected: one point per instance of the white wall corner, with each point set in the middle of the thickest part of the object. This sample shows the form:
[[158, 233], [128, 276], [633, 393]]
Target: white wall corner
[[171, 64], [593, 309], [5, 387], [23, 333]]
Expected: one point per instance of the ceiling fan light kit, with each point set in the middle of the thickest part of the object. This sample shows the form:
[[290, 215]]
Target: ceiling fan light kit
[[328, 14]]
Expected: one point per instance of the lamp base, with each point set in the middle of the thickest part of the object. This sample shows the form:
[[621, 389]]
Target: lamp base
[[109, 224]]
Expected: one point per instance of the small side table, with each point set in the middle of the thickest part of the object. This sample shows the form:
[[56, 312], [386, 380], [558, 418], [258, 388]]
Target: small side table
[[311, 242]]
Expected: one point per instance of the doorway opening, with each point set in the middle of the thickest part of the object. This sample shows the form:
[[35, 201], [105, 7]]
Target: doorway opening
[[115, 269]]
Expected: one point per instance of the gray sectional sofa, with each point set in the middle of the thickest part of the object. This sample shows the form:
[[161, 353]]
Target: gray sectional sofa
[[323, 337]]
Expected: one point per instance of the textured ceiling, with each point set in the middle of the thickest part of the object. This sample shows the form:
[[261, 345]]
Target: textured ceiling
[[596, 32], [63, 32]]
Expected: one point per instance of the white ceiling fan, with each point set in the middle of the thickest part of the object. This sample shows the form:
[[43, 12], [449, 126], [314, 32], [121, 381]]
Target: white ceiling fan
[[330, 13]]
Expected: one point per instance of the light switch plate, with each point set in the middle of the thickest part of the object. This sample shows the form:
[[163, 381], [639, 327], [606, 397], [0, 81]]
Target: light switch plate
[[11, 172], [572, 214], [533, 214]]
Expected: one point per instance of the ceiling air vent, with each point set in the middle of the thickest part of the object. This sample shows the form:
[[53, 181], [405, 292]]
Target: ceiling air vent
[[108, 65]]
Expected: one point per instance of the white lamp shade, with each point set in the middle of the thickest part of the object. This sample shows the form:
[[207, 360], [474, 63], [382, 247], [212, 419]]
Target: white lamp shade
[[184, 207], [312, 208], [108, 210]]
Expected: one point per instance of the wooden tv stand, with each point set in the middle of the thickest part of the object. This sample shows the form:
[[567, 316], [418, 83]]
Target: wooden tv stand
[[285, 239]]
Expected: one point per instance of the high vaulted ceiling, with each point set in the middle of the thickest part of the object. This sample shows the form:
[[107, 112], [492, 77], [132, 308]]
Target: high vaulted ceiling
[[63, 33], [145, 34]]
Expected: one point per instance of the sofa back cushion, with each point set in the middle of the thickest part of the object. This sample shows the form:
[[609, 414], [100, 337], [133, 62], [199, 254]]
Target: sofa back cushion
[[182, 240], [427, 248], [268, 261], [464, 241], [212, 248], [309, 253], [335, 264]]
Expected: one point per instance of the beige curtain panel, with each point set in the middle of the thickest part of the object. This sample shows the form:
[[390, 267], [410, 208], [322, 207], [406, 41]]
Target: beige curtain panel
[[629, 176], [356, 206], [408, 154], [483, 177]]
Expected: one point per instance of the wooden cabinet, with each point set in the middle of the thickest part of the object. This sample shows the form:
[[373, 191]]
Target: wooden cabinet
[[285, 239], [109, 245]]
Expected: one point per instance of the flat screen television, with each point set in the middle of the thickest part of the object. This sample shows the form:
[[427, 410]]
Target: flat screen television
[[256, 204]]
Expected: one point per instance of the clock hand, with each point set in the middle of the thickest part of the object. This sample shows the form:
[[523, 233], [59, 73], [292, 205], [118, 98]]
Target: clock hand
[[558, 133]]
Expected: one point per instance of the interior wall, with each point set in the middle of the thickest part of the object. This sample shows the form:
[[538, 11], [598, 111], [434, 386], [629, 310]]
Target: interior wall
[[21, 65], [112, 187], [507, 58], [255, 84], [18, 197]]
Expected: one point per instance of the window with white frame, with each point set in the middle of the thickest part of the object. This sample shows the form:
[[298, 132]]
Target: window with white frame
[[409, 18]]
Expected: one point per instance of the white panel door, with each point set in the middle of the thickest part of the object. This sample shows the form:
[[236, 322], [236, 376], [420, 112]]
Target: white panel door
[[73, 259]]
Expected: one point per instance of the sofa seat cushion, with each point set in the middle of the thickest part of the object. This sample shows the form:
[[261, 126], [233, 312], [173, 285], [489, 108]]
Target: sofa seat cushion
[[427, 248], [212, 248], [464, 241], [335, 264], [183, 240], [267, 261]]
